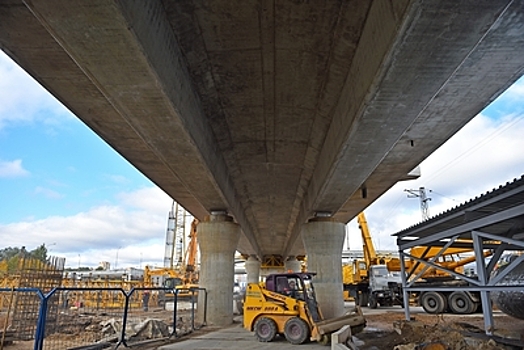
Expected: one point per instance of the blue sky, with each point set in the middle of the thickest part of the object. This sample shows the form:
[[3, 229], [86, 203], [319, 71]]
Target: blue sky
[[61, 185]]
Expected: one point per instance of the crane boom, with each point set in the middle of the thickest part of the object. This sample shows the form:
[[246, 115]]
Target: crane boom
[[370, 254]]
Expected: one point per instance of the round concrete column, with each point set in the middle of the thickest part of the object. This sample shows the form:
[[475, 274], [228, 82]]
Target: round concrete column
[[323, 240], [218, 238], [252, 266], [293, 265], [266, 272]]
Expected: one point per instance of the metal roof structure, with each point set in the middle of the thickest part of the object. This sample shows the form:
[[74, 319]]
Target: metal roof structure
[[499, 212], [491, 224]]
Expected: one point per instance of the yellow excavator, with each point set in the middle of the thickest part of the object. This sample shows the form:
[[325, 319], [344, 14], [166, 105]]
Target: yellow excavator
[[275, 308], [183, 278]]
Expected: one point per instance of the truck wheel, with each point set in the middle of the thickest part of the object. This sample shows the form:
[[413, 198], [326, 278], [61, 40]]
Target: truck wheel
[[461, 303], [296, 330], [433, 302], [363, 299], [265, 329], [373, 303]]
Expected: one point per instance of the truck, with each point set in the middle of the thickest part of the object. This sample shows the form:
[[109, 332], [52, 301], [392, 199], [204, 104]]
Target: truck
[[369, 281], [378, 281], [275, 308], [432, 267]]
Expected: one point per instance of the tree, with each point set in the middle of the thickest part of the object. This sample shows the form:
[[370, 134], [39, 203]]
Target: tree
[[12, 255], [39, 253], [8, 253]]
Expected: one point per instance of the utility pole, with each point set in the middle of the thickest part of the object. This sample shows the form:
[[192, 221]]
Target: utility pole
[[421, 194]]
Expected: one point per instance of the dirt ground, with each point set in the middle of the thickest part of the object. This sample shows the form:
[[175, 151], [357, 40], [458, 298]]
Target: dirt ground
[[75, 326], [453, 331]]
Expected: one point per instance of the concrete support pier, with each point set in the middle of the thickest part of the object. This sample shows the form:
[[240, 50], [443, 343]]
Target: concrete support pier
[[218, 237], [252, 267], [323, 240], [292, 264]]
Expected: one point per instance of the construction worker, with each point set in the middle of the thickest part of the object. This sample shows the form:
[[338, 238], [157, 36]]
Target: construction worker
[[145, 300], [292, 291]]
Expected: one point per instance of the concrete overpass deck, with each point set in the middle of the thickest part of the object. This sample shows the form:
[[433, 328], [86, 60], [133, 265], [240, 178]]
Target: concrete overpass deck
[[271, 111], [273, 122]]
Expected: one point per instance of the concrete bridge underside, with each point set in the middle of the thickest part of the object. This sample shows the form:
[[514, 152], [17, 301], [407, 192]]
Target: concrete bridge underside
[[272, 110]]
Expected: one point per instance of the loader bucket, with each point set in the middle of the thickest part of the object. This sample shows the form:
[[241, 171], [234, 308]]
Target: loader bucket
[[354, 319]]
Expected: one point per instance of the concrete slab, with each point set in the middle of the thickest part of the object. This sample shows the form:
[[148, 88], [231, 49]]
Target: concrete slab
[[236, 337]]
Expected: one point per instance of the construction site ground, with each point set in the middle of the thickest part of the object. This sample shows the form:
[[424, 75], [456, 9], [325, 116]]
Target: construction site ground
[[456, 332]]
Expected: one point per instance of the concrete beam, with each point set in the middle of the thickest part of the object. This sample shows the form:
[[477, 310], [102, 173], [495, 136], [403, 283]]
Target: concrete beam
[[415, 55], [93, 43]]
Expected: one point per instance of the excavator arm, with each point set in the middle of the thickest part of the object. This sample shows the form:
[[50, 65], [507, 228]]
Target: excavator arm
[[190, 257]]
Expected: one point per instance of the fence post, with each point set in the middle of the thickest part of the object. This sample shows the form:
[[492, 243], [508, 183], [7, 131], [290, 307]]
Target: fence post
[[122, 339], [175, 307], [42, 316]]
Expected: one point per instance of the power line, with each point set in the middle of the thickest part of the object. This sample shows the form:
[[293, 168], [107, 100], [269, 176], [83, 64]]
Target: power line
[[474, 148], [453, 199], [395, 206]]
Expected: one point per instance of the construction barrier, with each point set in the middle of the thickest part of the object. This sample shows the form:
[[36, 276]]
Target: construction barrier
[[78, 318]]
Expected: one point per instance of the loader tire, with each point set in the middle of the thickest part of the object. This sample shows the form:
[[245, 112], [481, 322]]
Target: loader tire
[[433, 303], [265, 329], [296, 331]]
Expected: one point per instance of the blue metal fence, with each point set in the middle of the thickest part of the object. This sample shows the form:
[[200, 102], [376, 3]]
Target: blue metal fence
[[108, 317]]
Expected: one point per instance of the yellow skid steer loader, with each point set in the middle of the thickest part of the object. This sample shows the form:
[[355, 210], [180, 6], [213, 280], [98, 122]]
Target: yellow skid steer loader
[[286, 305]]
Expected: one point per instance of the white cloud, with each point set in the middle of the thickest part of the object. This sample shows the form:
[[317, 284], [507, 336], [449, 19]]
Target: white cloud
[[23, 100], [485, 154], [152, 198], [12, 169], [48, 193], [118, 179], [136, 227]]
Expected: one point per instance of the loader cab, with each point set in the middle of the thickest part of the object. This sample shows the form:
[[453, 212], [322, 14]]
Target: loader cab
[[303, 292], [294, 285], [172, 282]]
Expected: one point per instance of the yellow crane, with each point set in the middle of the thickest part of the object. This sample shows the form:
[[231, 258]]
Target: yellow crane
[[367, 280], [359, 269], [183, 278], [449, 259]]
